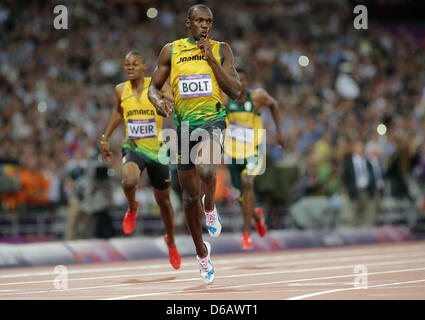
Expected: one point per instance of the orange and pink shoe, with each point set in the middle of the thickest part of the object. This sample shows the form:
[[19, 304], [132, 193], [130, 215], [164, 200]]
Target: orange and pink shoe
[[260, 225], [129, 222], [246, 243], [173, 255]]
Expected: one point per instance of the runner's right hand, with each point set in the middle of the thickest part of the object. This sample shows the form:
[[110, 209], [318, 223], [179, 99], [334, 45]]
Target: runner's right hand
[[106, 153], [165, 108]]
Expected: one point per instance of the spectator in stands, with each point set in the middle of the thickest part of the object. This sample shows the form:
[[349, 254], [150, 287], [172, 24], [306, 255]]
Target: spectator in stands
[[359, 182], [54, 91]]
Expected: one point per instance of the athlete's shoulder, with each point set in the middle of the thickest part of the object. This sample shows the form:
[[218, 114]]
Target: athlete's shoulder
[[257, 94], [222, 44], [180, 44], [119, 88], [179, 41], [147, 81], [168, 45], [216, 42], [256, 90], [166, 52], [225, 51], [261, 97]]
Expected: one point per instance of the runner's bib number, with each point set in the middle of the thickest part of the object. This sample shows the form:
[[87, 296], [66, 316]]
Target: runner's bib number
[[141, 129], [240, 133], [193, 86]]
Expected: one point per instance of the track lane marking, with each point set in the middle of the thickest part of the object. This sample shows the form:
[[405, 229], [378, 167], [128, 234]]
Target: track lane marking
[[339, 251], [232, 276], [202, 291], [348, 289], [290, 263]]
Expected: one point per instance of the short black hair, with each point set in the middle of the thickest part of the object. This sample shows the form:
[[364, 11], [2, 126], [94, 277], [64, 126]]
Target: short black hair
[[136, 53], [196, 6]]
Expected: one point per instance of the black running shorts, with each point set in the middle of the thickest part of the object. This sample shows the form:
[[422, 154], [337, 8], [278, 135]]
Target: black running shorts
[[214, 129], [158, 173]]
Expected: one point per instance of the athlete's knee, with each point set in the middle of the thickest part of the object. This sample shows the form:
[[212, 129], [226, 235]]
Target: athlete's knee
[[129, 182], [190, 197], [247, 181], [207, 173], [164, 202]]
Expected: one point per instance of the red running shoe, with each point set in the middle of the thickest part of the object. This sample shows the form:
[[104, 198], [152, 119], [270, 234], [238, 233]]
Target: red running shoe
[[260, 225], [246, 243], [173, 254], [129, 221]]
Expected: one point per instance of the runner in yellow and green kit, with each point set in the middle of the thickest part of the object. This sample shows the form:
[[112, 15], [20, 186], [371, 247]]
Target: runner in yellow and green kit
[[199, 69], [243, 136], [141, 147]]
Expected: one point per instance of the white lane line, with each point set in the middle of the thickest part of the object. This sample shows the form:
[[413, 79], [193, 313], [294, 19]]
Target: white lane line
[[285, 256], [203, 291], [279, 255], [91, 270], [352, 288], [167, 273], [197, 279], [320, 284], [350, 266], [275, 265], [359, 259]]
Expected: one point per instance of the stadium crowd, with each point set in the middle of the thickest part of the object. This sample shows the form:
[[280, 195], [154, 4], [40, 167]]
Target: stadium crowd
[[57, 89]]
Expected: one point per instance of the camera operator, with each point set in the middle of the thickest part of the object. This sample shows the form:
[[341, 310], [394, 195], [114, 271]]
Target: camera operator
[[9, 184], [90, 202]]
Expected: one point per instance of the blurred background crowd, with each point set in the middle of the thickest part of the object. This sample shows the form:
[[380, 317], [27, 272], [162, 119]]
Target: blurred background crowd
[[353, 119]]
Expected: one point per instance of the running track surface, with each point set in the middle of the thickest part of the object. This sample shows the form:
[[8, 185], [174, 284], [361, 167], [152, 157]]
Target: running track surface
[[394, 271]]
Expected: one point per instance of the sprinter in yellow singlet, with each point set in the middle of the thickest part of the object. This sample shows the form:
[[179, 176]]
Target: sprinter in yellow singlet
[[141, 147], [243, 137], [199, 69]]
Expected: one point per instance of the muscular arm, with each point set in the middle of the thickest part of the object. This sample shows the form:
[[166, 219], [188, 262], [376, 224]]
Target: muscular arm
[[167, 93], [159, 76], [114, 121], [224, 98], [225, 73], [261, 99], [117, 114]]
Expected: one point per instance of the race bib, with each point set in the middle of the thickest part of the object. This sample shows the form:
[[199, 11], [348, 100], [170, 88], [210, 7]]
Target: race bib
[[193, 86], [240, 133], [141, 129]]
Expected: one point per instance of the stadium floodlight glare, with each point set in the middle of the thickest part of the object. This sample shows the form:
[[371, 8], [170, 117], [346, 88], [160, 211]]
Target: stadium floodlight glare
[[152, 13], [303, 61], [381, 129], [42, 107]]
